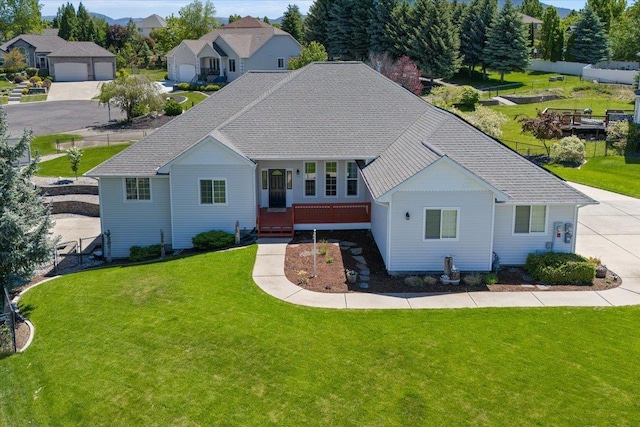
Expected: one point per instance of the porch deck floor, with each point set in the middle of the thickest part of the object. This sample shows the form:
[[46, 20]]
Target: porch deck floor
[[275, 223]]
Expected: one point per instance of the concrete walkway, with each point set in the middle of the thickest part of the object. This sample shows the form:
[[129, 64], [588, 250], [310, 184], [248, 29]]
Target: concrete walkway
[[610, 231]]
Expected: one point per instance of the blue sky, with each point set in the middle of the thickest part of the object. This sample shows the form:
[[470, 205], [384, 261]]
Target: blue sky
[[271, 8]]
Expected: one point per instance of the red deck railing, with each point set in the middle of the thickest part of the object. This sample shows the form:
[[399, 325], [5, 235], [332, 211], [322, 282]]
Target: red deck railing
[[331, 213]]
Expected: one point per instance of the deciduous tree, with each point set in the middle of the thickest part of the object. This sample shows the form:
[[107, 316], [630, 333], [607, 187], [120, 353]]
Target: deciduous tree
[[624, 35], [19, 17], [135, 95], [195, 20], [74, 154], [14, 61], [608, 11], [532, 8], [24, 216], [544, 126], [551, 36], [313, 52]]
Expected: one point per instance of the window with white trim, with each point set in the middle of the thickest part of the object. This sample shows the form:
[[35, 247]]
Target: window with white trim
[[280, 62], [530, 219], [232, 65], [331, 179], [352, 179], [213, 191], [310, 179], [440, 224], [137, 188]]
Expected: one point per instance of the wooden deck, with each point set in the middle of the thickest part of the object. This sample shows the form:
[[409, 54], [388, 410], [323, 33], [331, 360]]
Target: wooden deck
[[281, 222], [577, 121]]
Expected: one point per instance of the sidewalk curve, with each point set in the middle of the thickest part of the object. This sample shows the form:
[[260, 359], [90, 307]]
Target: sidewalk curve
[[610, 231]]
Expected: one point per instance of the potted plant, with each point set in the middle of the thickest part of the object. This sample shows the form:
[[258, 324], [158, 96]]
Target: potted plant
[[352, 276]]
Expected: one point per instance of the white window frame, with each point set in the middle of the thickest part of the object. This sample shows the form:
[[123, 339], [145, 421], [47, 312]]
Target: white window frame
[[284, 64], [336, 178], [232, 65], [347, 179], [304, 182], [441, 209], [137, 198], [537, 233], [213, 198]]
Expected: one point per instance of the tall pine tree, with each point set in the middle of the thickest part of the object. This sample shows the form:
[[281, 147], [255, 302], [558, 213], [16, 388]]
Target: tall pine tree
[[473, 32], [85, 28], [435, 44], [507, 49], [67, 21], [359, 39], [339, 30], [398, 30], [317, 21], [588, 41], [551, 36], [292, 22], [381, 18]]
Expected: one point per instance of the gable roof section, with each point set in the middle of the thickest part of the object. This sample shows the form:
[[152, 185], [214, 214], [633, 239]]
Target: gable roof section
[[244, 41], [247, 22], [341, 111], [41, 43], [145, 157], [81, 49], [153, 21]]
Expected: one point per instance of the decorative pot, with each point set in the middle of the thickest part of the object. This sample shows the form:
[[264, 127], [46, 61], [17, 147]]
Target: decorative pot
[[601, 271]]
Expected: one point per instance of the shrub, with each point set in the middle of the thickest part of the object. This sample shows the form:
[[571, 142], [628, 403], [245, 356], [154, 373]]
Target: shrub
[[472, 279], [559, 268], [18, 78], [184, 86], [25, 91], [469, 96], [46, 82], [43, 73], [166, 76], [213, 239], [570, 149], [35, 79], [10, 76], [31, 71], [210, 88], [490, 279], [486, 119], [139, 253], [445, 96], [172, 107]]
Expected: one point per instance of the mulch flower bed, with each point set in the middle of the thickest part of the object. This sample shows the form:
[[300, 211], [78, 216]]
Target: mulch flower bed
[[331, 262]]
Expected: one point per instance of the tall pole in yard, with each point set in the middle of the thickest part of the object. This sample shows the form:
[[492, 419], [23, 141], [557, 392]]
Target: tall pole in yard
[[314, 252]]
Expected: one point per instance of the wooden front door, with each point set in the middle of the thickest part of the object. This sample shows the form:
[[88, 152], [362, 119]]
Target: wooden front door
[[277, 189]]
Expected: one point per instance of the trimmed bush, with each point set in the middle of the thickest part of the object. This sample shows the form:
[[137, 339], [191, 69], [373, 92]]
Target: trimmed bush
[[557, 268], [172, 107], [18, 78], [184, 86], [31, 71], [210, 88], [570, 149], [469, 96], [140, 253], [43, 73], [214, 239]]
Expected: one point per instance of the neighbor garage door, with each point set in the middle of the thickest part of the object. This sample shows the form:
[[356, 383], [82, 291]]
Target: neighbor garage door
[[71, 72], [103, 70], [186, 72]]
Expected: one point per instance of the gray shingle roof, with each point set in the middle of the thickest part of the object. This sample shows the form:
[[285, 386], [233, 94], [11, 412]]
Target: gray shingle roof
[[81, 49], [341, 111], [42, 43], [153, 21], [244, 41]]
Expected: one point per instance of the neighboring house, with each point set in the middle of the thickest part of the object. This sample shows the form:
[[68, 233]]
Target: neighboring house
[[279, 151], [225, 54], [63, 60], [150, 23]]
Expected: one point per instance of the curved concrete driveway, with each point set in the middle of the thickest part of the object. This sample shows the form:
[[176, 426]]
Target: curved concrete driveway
[[610, 230]]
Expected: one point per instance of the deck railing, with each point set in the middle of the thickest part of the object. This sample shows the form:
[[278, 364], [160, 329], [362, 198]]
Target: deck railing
[[331, 213]]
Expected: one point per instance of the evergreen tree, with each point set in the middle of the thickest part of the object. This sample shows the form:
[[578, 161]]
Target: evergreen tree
[[316, 22], [507, 48], [234, 18], [458, 9], [145, 54], [473, 32], [435, 44], [339, 29], [67, 22], [532, 8], [588, 41], [359, 39], [266, 20], [85, 29], [24, 216], [381, 17], [398, 29], [292, 22], [551, 36]]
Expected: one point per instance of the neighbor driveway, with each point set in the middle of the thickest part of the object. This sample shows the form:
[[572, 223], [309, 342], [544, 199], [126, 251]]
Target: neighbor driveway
[[73, 91]]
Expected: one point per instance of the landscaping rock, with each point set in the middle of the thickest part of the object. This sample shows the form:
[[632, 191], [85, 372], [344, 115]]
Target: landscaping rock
[[348, 244], [356, 251], [362, 267], [543, 287], [364, 278], [413, 281], [360, 260], [364, 271], [364, 285]]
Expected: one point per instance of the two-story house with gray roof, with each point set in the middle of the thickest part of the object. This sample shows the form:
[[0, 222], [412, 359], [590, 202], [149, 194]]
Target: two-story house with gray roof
[[226, 53], [278, 152]]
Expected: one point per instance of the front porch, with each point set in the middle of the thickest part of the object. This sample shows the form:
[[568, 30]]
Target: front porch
[[282, 222]]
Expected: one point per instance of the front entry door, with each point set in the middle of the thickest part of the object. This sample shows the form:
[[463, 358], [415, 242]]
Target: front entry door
[[277, 189]]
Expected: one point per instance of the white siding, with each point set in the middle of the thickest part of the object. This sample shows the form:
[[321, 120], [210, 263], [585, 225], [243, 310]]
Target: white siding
[[210, 160], [133, 222], [266, 58], [296, 195], [379, 221], [471, 250], [182, 56], [514, 248]]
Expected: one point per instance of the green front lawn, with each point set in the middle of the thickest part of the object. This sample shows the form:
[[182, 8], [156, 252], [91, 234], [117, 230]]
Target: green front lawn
[[193, 341], [4, 99], [518, 82], [193, 99], [33, 98], [91, 157], [47, 144], [155, 75], [612, 173]]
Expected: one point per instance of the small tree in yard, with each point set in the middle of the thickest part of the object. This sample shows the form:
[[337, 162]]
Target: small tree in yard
[[135, 95], [24, 217], [313, 52], [74, 154], [568, 150], [544, 126], [403, 71], [14, 61]]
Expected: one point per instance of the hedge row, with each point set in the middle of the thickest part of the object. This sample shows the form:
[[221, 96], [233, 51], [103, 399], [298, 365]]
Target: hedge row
[[558, 268]]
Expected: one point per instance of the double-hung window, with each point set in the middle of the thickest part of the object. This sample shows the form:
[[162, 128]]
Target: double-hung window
[[232, 65], [138, 188], [352, 179], [213, 192], [530, 219], [331, 179], [310, 179], [440, 224], [280, 62]]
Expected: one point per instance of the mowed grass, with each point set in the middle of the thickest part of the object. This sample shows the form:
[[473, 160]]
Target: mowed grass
[[193, 99], [47, 144], [612, 173], [155, 75], [519, 82], [91, 157], [33, 98], [193, 341]]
